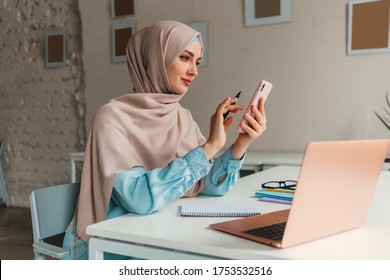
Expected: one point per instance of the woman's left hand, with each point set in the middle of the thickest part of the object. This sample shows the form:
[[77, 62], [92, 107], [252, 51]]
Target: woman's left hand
[[255, 128]]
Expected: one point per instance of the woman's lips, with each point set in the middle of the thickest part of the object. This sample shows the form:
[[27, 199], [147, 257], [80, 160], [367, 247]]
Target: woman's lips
[[187, 82]]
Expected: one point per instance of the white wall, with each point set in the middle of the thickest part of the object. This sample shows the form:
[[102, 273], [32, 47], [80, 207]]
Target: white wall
[[41, 109], [319, 92]]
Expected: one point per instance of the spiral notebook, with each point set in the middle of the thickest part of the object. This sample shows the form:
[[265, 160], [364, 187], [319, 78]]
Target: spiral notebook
[[218, 209]]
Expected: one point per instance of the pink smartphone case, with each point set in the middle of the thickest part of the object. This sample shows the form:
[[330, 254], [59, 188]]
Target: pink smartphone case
[[262, 90]]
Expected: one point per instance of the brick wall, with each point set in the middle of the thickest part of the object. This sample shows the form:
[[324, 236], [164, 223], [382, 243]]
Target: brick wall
[[41, 110]]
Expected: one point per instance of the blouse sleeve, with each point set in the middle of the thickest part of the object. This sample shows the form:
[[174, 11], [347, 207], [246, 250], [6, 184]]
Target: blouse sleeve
[[223, 175], [143, 192]]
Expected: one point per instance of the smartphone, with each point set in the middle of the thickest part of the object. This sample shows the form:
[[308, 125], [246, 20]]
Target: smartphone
[[262, 90]]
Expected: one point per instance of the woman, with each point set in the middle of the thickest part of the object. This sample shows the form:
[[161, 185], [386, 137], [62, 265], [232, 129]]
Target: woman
[[144, 150]]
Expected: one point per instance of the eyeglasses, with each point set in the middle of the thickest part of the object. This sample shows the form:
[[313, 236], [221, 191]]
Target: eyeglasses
[[287, 184]]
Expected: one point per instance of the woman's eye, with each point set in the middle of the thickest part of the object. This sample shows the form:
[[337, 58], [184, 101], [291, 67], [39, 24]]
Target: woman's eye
[[185, 58]]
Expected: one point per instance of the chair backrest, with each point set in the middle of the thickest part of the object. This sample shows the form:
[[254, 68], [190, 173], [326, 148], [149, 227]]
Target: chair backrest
[[3, 190], [52, 209]]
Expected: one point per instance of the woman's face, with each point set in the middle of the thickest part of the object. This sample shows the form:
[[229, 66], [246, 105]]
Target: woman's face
[[184, 68]]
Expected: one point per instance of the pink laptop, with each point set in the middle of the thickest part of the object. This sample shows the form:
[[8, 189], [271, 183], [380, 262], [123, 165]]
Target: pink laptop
[[334, 192]]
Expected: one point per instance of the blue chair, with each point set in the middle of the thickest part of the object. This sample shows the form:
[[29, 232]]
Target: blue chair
[[3, 189], [52, 209]]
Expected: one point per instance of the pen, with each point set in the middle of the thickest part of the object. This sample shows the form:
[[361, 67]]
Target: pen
[[279, 190], [227, 113]]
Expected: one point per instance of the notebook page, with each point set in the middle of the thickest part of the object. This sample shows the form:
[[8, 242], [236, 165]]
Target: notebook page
[[218, 209]]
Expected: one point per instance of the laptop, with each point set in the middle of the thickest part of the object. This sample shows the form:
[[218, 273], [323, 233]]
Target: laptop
[[335, 187]]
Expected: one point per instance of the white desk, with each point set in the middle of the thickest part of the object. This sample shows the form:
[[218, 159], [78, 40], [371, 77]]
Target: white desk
[[167, 235], [289, 159], [254, 161], [74, 157]]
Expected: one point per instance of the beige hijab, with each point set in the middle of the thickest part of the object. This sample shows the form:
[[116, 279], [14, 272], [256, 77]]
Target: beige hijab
[[148, 128]]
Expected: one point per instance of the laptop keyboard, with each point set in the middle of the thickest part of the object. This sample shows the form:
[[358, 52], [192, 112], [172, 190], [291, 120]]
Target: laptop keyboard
[[273, 232]]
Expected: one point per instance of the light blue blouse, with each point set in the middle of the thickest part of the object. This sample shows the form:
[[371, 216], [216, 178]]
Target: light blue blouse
[[144, 192]]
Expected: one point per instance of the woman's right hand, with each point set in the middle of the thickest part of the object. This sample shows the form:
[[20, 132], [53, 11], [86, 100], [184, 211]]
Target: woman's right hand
[[218, 127]]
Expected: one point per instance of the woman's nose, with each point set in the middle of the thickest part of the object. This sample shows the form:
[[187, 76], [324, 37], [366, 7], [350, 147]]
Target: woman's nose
[[193, 71]]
